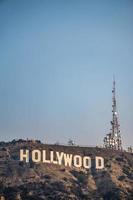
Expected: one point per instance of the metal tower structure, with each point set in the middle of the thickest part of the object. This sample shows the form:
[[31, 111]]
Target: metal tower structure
[[113, 139]]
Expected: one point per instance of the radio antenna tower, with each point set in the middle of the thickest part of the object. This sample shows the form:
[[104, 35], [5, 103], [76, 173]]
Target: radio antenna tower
[[113, 139]]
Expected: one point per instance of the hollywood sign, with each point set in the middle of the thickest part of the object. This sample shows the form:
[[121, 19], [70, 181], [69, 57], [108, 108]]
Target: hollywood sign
[[61, 158]]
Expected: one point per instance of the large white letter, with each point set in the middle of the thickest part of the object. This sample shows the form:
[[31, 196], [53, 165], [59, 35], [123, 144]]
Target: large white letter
[[77, 161], [59, 157], [24, 155], [44, 157], [87, 162], [52, 157], [68, 159], [36, 156], [99, 162]]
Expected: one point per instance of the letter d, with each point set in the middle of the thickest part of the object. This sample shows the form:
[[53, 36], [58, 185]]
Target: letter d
[[99, 162]]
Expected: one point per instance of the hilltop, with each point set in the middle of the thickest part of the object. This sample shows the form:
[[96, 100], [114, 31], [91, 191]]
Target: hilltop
[[31, 181]]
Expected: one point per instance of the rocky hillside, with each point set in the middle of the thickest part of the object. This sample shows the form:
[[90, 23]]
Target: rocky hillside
[[39, 181]]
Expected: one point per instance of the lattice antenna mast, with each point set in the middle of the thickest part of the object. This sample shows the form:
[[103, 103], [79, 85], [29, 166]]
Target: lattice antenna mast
[[114, 122], [113, 139]]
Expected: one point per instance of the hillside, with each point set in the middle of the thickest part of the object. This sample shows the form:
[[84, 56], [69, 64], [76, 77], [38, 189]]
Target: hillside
[[39, 181]]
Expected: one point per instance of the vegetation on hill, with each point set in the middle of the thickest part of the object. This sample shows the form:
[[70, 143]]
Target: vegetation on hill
[[31, 181]]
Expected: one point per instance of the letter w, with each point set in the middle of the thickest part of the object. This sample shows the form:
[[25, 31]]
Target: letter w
[[68, 159]]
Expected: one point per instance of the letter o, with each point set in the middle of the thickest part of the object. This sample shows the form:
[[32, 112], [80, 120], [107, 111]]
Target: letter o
[[77, 161], [87, 162], [36, 156]]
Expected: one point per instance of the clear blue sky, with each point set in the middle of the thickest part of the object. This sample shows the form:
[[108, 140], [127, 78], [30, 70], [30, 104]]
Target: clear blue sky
[[57, 60]]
